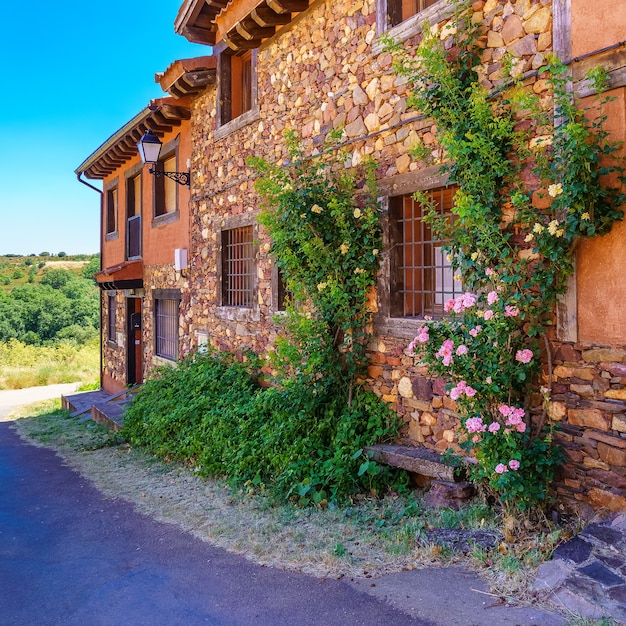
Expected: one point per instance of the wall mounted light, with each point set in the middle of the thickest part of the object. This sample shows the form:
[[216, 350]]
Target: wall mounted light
[[149, 147]]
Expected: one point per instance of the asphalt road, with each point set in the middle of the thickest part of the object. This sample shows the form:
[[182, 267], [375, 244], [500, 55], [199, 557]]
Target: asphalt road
[[70, 557]]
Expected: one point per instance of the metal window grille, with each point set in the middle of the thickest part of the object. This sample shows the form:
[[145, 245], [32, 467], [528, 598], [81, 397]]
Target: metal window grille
[[112, 319], [166, 331], [423, 278], [238, 267]]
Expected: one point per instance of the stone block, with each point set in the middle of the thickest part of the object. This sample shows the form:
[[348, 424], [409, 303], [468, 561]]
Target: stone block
[[611, 455], [589, 418], [615, 394], [512, 29], [599, 355], [599, 498], [619, 423], [539, 21], [405, 387]]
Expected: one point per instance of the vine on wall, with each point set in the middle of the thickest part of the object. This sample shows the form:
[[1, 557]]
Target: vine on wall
[[535, 175]]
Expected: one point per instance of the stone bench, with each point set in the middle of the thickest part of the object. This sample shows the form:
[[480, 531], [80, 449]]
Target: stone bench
[[420, 461], [445, 488]]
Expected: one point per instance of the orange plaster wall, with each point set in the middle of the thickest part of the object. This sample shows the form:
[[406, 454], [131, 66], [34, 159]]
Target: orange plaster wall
[[601, 263], [158, 242], [597, 24]]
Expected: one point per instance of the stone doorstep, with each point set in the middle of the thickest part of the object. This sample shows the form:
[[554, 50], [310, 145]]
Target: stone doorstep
[[108, 414], [420, 461]]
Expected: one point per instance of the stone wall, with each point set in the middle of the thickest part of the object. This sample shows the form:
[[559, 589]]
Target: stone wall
[[326, 71]]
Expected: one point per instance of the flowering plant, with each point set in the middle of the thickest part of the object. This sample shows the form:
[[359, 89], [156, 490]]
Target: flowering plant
[[529, 188]]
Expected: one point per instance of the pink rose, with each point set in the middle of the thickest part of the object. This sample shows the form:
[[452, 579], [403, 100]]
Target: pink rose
[[461, 350], [492, 297], [494, 427], [511, 311], [514, 464], [501, 468], [524, 356], [488, 314]]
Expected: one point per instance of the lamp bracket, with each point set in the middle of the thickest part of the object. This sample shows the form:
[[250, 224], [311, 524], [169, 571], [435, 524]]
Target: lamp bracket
[[182, 178]]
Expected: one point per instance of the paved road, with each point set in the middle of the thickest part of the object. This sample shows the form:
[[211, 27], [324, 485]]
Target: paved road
[[70, 557], [14, 398]]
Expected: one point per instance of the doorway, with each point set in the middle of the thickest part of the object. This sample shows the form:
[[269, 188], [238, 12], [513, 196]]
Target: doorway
[[135, 342]]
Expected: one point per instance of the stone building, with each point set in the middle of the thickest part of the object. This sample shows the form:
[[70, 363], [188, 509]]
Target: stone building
[[288, 64]]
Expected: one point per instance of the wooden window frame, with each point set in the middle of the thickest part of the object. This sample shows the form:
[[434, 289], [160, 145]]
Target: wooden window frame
[[111, 210], [410, 26], [159, 215], [227, 119], [134, 209], [111, 318]]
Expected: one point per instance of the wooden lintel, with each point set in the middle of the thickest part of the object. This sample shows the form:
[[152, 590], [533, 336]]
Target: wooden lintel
[[264, 16], [288, 6]]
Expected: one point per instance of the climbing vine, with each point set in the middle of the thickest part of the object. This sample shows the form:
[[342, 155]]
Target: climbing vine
[[535, 175]]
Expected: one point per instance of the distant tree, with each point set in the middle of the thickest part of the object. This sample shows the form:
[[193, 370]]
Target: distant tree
[[57, 278], [32, 254], [17, 274], [93, 266], [28, 262], [44, 254], [61, 254], [41, 264]]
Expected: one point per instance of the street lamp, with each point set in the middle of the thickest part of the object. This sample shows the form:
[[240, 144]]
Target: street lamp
[[149, 147]]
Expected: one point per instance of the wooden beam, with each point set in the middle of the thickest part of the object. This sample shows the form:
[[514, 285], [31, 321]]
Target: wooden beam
[[288, 6], [264, 16], [250, 30], [234, 14], [237, 43]]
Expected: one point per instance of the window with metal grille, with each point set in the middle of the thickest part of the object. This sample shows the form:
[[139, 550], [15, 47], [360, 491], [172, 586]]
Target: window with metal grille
[[166, 328], [112, 319], [238, 267], [421, 277]]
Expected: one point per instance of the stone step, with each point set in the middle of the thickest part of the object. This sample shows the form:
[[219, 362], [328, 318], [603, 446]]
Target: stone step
[[417, 460]]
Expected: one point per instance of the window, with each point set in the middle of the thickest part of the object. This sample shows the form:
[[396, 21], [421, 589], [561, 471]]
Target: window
[[400, 10], [166, 326], [238, 267], [165, 189], [133, 217], [421, 277], [111, 333], [237, 85], [111, 211]]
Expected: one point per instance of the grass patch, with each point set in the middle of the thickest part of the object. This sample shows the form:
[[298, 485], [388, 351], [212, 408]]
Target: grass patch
[[23, 365], [370, 537]]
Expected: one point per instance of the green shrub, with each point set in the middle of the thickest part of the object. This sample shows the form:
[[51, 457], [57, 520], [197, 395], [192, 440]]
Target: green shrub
[[211, 411]]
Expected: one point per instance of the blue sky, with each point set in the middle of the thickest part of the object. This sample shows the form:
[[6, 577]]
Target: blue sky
[[74, 72]]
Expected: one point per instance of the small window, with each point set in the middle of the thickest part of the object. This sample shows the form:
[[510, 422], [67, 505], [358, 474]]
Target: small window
[[166, 328], [111, 334], [133, 212], [236, 85], [111, 214], [421, 277], [400, 10], [238, 267], [165, 198]]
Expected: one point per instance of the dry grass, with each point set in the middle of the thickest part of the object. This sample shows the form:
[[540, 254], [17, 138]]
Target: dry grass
[[370, 538], [65, 265]]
